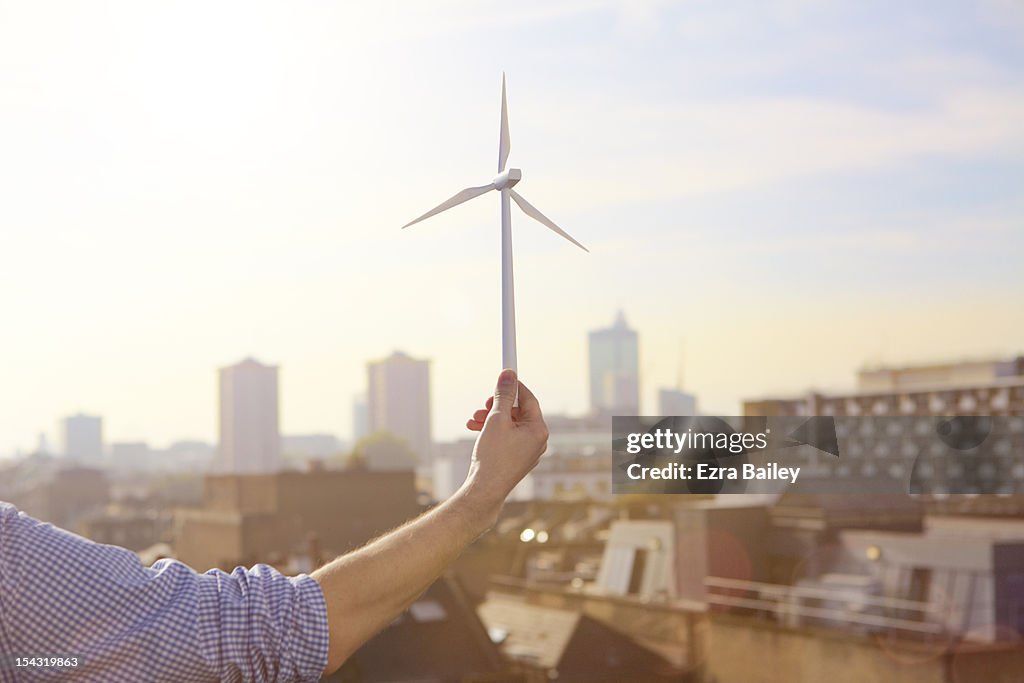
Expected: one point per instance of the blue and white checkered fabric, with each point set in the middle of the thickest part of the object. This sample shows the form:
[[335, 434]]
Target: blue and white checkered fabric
[[63, 595]]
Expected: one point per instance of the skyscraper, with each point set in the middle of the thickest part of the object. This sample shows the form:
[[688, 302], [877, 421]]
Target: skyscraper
[[82, 438], [614, 375], [398, 400], [250, 440]]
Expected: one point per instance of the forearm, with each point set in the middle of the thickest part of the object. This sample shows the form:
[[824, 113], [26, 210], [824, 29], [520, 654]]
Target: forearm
[[366, 589]]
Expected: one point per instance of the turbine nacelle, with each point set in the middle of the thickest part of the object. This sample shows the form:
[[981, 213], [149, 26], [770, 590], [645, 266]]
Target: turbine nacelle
[[507, 178]]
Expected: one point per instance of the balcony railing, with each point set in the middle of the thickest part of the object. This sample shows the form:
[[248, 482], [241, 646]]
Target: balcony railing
[[835, 606]]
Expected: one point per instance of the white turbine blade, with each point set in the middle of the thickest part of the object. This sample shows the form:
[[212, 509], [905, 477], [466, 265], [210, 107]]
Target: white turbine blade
[[504, 142], [531, 211], [461, 197]]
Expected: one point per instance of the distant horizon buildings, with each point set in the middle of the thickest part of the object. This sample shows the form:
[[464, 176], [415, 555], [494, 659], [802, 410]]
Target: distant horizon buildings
[[249, 429], [360, 422], [129, 454], [184, 455], [676, 402], [317, 446], [614, 369], [398, 401], [82, 438]]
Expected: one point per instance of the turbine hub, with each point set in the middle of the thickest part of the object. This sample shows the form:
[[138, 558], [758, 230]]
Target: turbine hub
[[507, 178]]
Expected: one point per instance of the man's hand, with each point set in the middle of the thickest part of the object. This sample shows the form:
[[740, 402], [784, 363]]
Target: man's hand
[[510, 444]]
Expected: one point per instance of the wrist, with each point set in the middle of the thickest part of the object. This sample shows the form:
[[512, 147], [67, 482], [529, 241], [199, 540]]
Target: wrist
[[479, 505]]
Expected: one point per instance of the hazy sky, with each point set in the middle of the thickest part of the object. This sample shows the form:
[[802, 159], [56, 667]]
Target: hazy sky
[[795, 188]]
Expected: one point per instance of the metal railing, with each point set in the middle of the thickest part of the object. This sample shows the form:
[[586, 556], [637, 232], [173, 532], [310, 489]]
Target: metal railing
[[857, 607]]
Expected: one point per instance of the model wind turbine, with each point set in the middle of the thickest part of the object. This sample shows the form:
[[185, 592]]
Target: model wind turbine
[[503, 183]]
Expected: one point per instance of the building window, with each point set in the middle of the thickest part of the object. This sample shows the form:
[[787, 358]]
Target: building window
[[1001, 400], [636, 575], [968, 402], [920, 584]]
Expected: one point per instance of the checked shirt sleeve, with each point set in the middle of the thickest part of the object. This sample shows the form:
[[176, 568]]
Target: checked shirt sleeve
[[63, 595]]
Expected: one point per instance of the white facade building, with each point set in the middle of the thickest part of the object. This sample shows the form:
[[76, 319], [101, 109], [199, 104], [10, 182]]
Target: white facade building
[[398, 401], [250, 438]]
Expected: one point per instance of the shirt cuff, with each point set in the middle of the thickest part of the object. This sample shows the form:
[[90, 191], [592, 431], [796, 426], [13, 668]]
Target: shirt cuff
[[311, 629]]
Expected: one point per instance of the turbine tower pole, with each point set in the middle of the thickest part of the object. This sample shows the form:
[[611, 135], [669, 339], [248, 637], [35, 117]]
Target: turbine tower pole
[[508, 293]]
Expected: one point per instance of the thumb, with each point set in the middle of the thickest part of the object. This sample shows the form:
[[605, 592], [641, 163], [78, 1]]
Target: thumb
[[505, 392]]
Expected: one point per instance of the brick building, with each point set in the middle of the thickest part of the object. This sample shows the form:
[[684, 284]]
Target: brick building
[[246, 519]]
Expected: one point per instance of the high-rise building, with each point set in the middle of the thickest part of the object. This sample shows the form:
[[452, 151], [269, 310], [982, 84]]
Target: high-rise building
[[614, 374], [676, 402], [398, 400], [250, 439], [82, 438]]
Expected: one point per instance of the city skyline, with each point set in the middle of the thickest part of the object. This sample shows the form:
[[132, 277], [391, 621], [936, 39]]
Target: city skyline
[[797, 189], [867, 381], [386, 370]]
